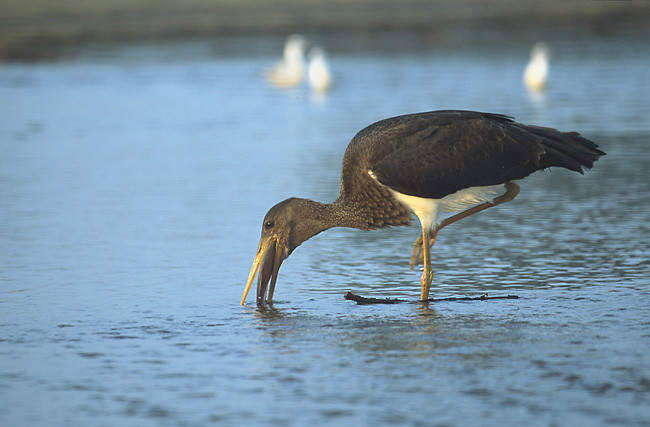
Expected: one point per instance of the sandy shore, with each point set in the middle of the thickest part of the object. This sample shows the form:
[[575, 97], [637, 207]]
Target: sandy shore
[[41, 29]]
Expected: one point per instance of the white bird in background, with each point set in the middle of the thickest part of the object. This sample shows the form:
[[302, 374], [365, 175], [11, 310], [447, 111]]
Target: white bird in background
[[289, 72], [320, 78], [536, 72]]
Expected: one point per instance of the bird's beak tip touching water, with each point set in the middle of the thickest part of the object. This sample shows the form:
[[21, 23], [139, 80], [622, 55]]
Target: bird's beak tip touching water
[[268, 259]]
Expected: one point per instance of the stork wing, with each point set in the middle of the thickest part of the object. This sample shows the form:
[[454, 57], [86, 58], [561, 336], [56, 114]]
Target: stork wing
[[438, 153]]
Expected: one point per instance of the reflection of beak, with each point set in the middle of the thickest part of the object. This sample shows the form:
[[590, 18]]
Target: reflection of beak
[[270, 258]]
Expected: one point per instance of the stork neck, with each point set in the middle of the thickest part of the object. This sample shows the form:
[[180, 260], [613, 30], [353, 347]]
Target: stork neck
[[318, 217], [342, 214]]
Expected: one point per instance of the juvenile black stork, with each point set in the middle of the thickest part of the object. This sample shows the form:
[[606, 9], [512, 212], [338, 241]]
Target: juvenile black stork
[[426, 164]]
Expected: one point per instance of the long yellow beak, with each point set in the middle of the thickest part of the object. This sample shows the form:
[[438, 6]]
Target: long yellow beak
[[269, 258]]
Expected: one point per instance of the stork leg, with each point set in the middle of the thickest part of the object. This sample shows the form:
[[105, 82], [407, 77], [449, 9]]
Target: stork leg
[[427, 274], [512, 190]]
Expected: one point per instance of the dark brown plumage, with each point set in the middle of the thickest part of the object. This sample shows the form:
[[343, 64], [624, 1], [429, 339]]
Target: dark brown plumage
[[423, 163]]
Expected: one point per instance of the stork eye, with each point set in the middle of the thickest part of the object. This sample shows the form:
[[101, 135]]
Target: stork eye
[[269, 224]]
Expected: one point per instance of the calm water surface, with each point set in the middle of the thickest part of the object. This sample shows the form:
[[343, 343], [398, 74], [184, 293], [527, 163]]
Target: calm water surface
[[133, 184]]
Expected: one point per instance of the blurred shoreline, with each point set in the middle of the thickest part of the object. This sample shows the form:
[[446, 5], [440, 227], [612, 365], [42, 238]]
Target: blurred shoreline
[[32, 30]]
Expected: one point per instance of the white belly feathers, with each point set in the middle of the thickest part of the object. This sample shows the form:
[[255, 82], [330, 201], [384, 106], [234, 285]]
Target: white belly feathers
[[429, 211]]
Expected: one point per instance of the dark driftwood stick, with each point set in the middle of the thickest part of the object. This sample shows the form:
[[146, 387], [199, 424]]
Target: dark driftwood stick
[[362, 300]]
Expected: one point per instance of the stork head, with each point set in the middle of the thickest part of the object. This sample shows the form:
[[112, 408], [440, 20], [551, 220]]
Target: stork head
[[285, 226]]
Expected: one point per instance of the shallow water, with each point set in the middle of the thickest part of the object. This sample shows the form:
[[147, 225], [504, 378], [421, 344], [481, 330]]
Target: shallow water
[[133, 183]]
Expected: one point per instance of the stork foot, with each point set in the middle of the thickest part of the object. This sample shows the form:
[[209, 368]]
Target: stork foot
[[425, 284]]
